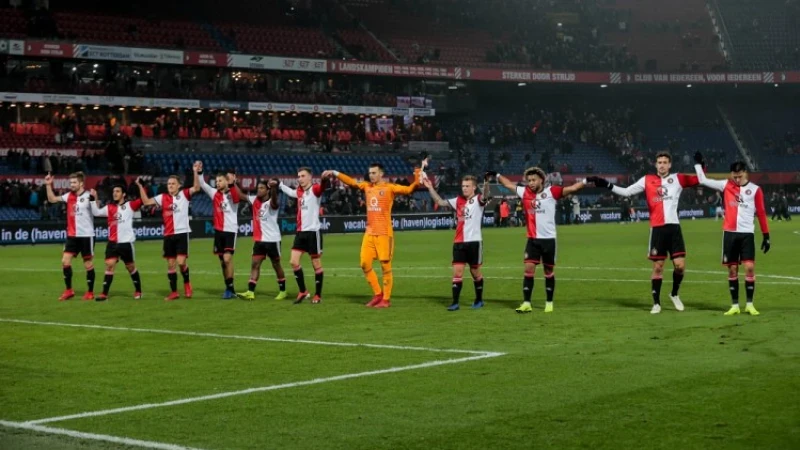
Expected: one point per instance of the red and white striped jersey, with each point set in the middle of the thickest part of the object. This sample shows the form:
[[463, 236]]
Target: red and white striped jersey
[[308, 203], [175, 212], [265, 221], [120, 220], [225, 207], [661, 195], [742, 204], [79, 214], [469, 217], [540, 210]]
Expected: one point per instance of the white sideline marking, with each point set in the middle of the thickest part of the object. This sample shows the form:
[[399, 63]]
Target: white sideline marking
[[795, 280], [94, 437], [475, 355], [248, 338], [274, 387]]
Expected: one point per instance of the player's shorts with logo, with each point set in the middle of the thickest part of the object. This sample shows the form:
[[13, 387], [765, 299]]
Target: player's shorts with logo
[[380, 247], [224, 242], [120, 250], [176, 245], [738, 248], [271, 250], [541, 251], [308, 242], [666, 240], [80, 246], [468, 253]]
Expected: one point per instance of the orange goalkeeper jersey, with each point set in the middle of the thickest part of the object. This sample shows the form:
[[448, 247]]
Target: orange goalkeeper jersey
[[379, 198]]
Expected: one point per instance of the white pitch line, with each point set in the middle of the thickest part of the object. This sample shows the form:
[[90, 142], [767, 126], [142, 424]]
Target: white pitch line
[[274, 387], [249, 338], [795, 281], [94, 437]]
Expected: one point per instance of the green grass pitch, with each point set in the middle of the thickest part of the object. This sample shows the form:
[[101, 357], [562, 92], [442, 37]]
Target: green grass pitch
[[599, 372]]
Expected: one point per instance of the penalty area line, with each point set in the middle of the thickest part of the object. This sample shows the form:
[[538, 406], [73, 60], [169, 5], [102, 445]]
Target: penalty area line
[[120, 440]]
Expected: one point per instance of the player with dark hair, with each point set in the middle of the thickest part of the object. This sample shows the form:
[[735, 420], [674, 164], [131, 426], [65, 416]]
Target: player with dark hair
[[309, 237], [266, 237], [175, 214], [539, 204], [80, 232], [378, 241], [225, 204], [468, 242], [662, 192], [743, 201], [120, 213]]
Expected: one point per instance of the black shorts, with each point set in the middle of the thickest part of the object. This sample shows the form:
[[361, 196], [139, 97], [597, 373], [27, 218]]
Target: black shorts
[[83, 246], [224, 242], [666, 239], [271, 250], [541, 251], [468, 253], [176, 245], [308, 242], [738, 248], [124, 251]]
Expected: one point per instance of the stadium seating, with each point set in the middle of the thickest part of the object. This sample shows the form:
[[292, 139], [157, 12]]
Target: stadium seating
[[764, 35], [773, 128], [11, 213], [13, 24]]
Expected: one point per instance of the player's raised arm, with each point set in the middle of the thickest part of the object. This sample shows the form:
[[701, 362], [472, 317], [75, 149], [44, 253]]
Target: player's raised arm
[[273, 193], [701, 175], [569, 190], [407, 190], [636, 188], [434, 195], [97, 211], [51, 196], [289, 192], [146, 200], [508, 184], [200, 181], [344, 178]]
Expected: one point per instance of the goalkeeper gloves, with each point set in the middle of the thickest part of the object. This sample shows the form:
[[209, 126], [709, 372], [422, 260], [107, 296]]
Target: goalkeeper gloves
[[765, 245], [600, 182], [698, 158]]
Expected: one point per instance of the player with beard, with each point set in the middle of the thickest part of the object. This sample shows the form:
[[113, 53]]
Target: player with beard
[[662, 192]]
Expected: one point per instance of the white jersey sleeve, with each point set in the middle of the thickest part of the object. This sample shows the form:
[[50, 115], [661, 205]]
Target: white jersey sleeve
[[708, 182], [251, 199], [635, 188], [99, 212], [158, 199], [520, 191], [64, 197], [452, 202], [210, 191], [288, 191]]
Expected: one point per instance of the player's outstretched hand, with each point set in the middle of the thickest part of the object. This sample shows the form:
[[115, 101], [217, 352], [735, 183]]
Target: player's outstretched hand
[[198, 166], [489, 175], [426, 182], [698, 158], [92, 193], [599, 182], [48, 179], [327, 174], [765, 245]]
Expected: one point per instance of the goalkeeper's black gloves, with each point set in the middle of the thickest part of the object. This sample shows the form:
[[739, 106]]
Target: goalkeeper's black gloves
[[600, 182], [765, 245], [698, 158], [489, 174]]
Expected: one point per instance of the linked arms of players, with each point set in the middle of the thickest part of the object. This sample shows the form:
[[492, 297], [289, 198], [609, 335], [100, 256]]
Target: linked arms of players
[[344, 178], [699, 165], [146, 200], [629, 191], [569, 190], [434, 195], [97, 211], [200, 182], [508, 184]]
